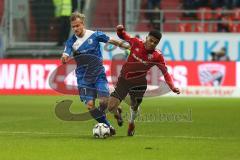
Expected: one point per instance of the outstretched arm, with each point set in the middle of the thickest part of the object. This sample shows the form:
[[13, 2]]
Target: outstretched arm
[[121, 44], [123, 34], [169, 81]]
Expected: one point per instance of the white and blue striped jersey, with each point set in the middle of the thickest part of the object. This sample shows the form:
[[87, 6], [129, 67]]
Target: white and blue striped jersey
[[87, 54]]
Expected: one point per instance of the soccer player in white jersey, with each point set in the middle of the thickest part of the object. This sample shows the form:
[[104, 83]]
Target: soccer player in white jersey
[[84, 45]]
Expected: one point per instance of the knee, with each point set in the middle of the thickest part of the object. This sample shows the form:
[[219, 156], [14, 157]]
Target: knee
[[90, 105], [139, 101], [135, 103], [113, 104], [103, 101]]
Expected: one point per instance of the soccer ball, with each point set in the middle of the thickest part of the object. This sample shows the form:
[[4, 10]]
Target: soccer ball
[[101, 130]]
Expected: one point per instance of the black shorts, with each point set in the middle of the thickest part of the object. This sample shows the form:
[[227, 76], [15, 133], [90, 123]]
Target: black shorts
[[135, 89]]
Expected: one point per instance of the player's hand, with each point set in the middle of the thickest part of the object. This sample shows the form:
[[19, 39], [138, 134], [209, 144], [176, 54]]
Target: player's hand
[[176, 90], [64, 59], [119, 27]]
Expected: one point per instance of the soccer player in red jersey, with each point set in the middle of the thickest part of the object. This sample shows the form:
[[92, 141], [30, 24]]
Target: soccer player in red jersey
[[132, 79]]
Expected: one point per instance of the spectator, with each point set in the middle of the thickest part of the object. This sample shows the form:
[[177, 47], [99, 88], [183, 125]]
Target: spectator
[[20, 20], [223, 25], [222, 3], [236, 3], [78, 5], [189, 5], [151, 4], [42, 12], [193, 5], [156, 19], [201, 3], [155, 14], [220, 55], [74, 5], [63, 10]]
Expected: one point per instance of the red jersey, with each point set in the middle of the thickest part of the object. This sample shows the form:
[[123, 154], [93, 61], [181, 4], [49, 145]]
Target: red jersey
[[141, 60]]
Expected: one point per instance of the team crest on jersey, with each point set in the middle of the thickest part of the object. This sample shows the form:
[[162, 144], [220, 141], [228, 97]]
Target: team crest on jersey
[[150, 56], [211, 74], [90, 41], [137, 49], [75, 45]]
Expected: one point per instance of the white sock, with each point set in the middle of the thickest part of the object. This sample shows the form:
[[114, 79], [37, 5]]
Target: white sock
[[133, 115]]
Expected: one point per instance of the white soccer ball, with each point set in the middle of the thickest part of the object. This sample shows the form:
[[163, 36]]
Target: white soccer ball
[[101, 130]]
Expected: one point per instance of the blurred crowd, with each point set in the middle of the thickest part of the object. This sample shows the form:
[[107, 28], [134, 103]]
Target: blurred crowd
[[220, 55], [196, 4], [202, 10], [53, 15]]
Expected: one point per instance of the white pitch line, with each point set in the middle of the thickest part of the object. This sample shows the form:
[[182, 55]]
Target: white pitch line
[[89, 134]]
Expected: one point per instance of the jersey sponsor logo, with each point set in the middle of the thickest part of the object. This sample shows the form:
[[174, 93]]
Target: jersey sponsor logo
[[139, 59], [211, 74], [137, 49]]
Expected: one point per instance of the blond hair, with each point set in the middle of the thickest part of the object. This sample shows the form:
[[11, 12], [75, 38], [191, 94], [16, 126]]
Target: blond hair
[[76, 15]]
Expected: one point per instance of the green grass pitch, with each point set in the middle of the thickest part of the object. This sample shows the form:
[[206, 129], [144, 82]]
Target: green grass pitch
[[168, 128]]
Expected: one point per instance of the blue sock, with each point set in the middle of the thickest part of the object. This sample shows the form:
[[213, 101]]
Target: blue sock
[[99, 116]]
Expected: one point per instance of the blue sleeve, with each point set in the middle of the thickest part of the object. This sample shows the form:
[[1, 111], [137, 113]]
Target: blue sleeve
[[68, 48], [102, 37]]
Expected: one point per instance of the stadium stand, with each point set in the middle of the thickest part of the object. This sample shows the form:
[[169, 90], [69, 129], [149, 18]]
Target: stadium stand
[[1, 9], [107, 12], [204, 19], [171, 17], [164, 5]]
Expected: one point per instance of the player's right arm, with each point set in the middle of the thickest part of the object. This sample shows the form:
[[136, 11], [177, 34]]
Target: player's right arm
[[66, 53], [64, 58]]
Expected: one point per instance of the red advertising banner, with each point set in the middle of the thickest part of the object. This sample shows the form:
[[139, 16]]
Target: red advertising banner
[[238, 74], [26, 76], [203, 73], [32, 76]]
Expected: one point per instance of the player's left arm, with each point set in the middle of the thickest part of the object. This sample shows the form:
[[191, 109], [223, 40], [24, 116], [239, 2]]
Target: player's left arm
[[162, 66], [169, 81]]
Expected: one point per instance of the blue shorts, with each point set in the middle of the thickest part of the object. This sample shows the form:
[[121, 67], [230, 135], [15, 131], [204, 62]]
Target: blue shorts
[[90, 91]]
